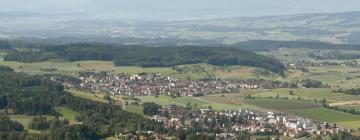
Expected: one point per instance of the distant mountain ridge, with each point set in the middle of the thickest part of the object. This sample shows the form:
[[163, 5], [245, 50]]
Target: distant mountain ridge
[[338, 28]]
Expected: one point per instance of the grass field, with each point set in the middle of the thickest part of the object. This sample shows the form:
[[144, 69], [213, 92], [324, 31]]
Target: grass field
[[89, 96], [194, 101], [25, 120], [135, 109], [308, 94], [67, 113]]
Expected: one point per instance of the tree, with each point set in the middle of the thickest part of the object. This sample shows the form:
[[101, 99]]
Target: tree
[[151, 109], [291, 92]]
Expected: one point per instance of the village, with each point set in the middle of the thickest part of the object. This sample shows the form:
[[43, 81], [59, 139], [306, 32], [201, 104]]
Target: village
[[152, 84], [228, 124]]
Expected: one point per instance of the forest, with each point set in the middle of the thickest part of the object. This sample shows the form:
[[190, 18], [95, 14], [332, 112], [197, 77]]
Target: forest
[[148, 56]]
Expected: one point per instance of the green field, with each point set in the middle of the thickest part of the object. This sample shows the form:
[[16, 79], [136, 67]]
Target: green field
[[89, 96], [194, 101], [167, 100], [135, 109], [193, 71], [326, 115], [67, 113], [25, 120], [282, 105], [348, 107], [308, 94]]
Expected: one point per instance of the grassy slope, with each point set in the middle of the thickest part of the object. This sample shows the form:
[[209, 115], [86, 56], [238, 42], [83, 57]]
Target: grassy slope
[[89, 96]]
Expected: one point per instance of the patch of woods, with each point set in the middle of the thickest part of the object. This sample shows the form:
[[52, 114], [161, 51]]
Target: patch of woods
[[151, 109], [148, 56], [33, 95]]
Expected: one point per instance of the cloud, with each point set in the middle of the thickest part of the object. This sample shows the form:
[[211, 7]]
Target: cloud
[[181, 8]]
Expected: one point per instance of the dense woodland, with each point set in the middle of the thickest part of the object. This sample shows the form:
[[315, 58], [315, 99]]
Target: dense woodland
[[24, 94], [148, 56]]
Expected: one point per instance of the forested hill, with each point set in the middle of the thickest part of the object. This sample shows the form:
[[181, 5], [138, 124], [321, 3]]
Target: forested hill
[[149, 56], [33, 95], [267, 45]]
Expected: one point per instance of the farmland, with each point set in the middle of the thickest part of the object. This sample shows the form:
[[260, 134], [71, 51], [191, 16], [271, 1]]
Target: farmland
[[308, 94], [340, 118], [193, 71], [282, 105], [217, 101]]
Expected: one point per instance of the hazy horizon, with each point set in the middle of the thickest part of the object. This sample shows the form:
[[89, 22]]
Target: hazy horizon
[[177, 9]]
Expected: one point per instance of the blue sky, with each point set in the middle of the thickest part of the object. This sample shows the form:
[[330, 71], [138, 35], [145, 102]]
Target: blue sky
[[158, 9]]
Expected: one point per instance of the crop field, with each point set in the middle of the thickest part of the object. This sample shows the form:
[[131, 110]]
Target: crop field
[[233, 98], [282, 105], [308, 94]]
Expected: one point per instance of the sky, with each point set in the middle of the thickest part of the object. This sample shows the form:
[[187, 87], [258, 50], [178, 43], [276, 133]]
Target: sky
[[172, 9]]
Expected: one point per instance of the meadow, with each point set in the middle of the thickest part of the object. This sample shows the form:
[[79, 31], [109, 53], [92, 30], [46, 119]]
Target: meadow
[[138, 109], [67, 114], [195, 102], [25, 120], [89, 96]]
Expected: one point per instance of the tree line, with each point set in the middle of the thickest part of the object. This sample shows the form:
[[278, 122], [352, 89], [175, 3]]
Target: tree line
[[148, 56]]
